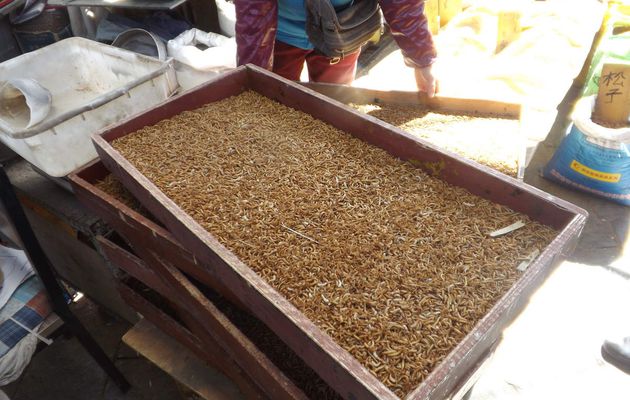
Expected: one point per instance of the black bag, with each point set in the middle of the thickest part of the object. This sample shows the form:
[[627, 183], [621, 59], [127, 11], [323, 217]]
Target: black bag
[[336, 34]]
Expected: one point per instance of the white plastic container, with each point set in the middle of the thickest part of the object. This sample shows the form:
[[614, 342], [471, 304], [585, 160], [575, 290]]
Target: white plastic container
[[92, 85]]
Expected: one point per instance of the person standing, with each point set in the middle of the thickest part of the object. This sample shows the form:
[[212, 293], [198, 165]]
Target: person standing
[[272, 34]]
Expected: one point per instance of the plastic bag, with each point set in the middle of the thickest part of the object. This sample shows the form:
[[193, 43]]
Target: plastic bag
[[227, 17], [593, 158], [220, 54]]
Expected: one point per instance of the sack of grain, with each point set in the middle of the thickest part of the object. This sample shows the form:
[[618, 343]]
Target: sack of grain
[[593, 158]]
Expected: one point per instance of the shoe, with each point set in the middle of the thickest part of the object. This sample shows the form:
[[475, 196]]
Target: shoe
[[617, 353]]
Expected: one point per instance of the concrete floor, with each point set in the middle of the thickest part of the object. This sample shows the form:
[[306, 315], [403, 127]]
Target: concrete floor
[[64, 370], [550, 352]]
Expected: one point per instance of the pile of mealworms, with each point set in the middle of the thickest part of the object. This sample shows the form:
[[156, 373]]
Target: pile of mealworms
[[277, 351], [114, 188], [485, 138], [396, 265]]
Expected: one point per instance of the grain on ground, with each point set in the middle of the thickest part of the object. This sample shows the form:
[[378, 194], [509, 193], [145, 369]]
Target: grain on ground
[[118, 191], [486, 138]]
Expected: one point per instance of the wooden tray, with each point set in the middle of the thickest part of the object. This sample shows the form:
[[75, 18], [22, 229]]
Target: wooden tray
[[349, 94], [334, 364]]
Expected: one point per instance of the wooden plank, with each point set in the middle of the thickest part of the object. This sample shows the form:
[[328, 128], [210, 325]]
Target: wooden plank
[[335, 365], [347, 94], [180, 363], [208, 350], [612, 104]]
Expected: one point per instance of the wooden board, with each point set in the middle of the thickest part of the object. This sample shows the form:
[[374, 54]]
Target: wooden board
[[347, 94], [180, 363], [340, 370]]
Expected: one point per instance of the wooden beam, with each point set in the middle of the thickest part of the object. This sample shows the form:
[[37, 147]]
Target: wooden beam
[[180, 363]]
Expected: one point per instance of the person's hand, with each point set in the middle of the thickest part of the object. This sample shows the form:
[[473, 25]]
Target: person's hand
[[426, 81]]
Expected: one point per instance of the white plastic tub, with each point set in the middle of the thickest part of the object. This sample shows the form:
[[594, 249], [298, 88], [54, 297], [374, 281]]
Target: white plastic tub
[[93, 85]]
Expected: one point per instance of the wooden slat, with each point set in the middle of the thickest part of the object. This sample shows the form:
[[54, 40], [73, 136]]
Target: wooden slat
[[184, 366], [347, 94], [208, 350]]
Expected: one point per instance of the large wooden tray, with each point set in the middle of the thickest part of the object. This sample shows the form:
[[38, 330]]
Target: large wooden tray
[[334, 364]]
